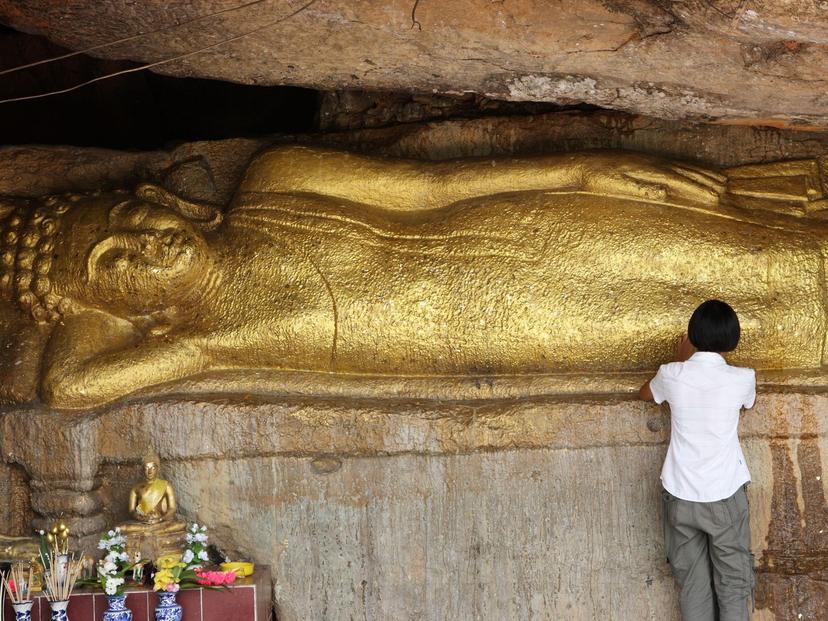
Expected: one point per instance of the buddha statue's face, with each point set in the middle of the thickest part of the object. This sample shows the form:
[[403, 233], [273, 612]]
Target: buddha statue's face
[[129, 256], [150, 470]]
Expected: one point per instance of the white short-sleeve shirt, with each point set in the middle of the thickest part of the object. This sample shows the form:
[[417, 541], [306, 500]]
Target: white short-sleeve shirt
[[704, 462]]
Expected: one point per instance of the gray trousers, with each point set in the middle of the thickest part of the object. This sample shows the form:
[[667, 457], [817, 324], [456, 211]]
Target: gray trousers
[[708, 547]]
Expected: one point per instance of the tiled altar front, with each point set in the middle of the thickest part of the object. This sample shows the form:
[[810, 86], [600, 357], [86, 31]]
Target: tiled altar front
[[249, 599]]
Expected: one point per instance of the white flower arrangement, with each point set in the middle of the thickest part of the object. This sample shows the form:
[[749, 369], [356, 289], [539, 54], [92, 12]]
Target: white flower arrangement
[[112, 585], [196, 550], [115, 564], [113, 539]]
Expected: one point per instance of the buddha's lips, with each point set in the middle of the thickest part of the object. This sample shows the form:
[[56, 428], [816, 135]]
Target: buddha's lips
[[155, 248]]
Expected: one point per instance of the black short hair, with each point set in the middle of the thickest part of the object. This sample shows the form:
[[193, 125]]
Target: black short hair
[[714, 326]]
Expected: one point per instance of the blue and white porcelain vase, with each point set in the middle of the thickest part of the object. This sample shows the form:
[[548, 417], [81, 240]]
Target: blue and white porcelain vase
[[23, 611], [117, 610], [167, 609], [59, 610]]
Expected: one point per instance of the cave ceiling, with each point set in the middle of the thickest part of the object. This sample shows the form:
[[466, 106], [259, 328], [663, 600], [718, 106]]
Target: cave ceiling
[[734, 61]]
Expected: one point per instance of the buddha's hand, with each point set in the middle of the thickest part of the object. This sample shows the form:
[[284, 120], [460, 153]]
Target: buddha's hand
[[652, 179]]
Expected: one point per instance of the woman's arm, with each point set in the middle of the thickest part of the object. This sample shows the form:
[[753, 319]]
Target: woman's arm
[[684, 349]]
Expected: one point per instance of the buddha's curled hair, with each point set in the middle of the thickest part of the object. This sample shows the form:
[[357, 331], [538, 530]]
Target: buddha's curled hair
[[27, 232]]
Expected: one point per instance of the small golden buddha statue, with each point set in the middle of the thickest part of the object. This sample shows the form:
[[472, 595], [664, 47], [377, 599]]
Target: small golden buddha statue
[[154, 501], [154, 529]]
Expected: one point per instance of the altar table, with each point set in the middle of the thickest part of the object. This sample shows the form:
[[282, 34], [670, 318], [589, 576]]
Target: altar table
[[249, 599]]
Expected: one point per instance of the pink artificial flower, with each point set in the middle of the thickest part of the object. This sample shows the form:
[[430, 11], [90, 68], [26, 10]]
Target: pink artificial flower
[[201, 577], [214, 578], [172, 587]]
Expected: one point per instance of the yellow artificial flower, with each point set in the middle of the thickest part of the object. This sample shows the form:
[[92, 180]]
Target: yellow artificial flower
[[163, 577]]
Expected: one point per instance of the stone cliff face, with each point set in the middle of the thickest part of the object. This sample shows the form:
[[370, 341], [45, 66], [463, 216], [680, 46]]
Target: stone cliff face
[[755, 61], [532, 508]]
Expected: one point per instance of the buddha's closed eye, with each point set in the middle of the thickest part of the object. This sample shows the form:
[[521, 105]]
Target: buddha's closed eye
[[118, 246], [159, 248]]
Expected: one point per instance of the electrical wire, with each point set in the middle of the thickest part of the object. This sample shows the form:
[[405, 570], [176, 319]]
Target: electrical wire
[[130, 38], [160, 62]]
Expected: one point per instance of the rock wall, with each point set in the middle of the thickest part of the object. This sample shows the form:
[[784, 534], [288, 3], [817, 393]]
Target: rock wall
[[755, 61], [532, 508], [15, 508]]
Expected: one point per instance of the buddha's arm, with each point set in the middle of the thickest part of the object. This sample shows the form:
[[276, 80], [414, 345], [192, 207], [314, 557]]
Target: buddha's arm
[[411, 185], [617, 174], [171, 504], [93, 359]]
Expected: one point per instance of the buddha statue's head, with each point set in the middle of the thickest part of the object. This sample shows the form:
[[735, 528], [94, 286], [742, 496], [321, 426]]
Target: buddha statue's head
[[152, 464], [150, 469], [126, 254]]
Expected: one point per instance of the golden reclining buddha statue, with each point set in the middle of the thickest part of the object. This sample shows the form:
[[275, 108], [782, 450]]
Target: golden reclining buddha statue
[[342, 264]]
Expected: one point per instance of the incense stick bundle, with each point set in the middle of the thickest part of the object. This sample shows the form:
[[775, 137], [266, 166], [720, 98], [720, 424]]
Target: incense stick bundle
[[22, 589], [60, 579]]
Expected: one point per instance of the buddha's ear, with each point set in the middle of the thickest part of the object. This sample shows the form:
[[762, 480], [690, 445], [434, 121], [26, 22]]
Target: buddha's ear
[[6, 207], [207, 216]]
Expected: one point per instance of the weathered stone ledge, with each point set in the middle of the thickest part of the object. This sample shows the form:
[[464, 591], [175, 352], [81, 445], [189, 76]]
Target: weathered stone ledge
[[239, 426]]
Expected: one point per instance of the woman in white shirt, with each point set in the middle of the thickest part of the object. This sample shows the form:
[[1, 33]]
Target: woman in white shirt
[[705, 476]]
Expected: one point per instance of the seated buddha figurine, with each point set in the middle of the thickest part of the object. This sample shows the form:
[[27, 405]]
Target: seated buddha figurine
[[154, 529]]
